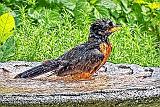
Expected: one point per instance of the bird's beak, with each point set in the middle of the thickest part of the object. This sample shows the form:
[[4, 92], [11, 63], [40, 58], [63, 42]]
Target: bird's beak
[[115, 28]]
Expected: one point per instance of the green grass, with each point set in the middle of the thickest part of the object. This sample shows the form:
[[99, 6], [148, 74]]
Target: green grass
[[49, 39], [131, 45], [54, 34]]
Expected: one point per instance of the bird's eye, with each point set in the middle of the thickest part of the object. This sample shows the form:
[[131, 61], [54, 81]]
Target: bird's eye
[[110, 23]]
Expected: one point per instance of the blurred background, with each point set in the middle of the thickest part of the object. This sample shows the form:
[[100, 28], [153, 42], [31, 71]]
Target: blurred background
[[45, 29]]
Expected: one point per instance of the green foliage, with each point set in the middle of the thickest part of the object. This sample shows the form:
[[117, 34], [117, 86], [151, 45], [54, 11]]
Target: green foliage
[[7, 50], [45, 29], [7, 25], [133, 46]]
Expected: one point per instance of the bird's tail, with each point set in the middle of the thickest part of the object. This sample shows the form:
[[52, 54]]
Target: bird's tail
[[38, 70]]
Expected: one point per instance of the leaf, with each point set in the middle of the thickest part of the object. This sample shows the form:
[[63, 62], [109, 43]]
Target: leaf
[[93, 1], [82, 11], [138, 13], [70, 4], [107, 3], [125, 7], [7, 50], [154, 5], [7, 24], [53, 1], [101, 8], [2, 8], [97, 14], [139, 1], [101, 12], [82, 7]]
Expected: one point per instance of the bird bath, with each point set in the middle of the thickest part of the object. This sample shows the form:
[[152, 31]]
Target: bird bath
[[113, 84]]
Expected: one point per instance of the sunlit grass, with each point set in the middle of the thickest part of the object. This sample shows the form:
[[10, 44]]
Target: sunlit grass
[[47, 40], [52, 36], [131, 45]]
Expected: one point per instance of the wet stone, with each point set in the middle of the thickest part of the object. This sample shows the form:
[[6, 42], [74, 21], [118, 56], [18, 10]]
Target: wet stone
[[112, 82]]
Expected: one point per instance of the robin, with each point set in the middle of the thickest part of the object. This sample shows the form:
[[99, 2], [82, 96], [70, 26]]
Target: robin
[[82, 61]]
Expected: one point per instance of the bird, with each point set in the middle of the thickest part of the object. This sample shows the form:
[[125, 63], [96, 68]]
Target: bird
[[82, 61]]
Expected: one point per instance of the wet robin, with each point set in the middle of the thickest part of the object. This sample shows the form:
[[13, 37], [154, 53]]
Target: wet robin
[[82, 61]]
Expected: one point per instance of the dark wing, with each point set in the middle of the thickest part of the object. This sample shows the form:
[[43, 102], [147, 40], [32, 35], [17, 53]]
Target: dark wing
[[45, 67], [78, 51], [73, 59], [83, 58]]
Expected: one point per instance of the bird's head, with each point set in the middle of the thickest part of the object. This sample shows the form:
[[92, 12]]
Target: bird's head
[[101, 29]]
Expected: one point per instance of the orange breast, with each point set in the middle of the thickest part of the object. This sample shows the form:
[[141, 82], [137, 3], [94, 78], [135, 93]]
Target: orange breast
[[106, 50]]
